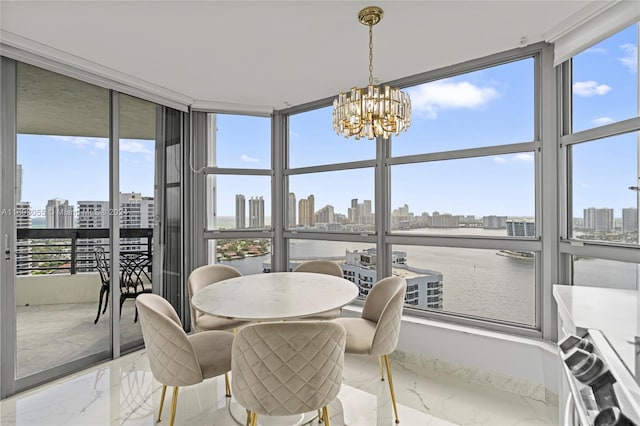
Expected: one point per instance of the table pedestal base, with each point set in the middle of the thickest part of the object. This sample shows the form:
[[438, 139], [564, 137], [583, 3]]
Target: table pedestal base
[[239, 414]]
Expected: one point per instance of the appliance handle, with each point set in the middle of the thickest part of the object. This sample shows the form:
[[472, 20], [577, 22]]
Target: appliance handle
[[569, 411], [579, 411]]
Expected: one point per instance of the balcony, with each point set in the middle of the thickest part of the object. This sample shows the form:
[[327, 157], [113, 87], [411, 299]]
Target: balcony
[[57, 293]]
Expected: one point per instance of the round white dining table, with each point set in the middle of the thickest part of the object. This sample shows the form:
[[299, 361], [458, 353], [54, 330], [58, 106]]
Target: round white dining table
[[272, 297], [275, 296]]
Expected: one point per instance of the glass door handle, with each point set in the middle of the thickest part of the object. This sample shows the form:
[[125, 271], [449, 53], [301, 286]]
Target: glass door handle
[[7, 251]]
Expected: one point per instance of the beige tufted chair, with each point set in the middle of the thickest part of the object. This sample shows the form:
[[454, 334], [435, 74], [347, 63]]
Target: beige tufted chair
[[377, 330], [175, 358], [200, 278], [322, 267], [287, 368]]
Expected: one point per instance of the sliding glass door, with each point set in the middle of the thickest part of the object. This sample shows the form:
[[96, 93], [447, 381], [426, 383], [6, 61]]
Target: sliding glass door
[[78, 168]]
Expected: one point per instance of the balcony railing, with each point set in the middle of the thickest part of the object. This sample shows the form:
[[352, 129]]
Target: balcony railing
[[45, 251]]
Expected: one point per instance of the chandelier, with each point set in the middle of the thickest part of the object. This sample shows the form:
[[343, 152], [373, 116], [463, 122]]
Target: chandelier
[[372, 111]]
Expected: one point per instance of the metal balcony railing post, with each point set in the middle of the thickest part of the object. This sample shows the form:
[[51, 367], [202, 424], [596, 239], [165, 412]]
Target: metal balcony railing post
[[74, 243]]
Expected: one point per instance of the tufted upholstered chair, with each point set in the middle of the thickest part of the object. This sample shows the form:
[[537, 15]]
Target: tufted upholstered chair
[[175, 358], [322, 267], [200, 278], [377, 330], [288, 367]]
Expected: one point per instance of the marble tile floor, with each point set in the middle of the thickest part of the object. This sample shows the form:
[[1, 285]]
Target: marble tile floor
[[123, 392]]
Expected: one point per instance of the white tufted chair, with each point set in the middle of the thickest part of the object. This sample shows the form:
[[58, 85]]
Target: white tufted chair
[[200, 278], [175, 358], [287, 368], [377, 330], [322, 267]]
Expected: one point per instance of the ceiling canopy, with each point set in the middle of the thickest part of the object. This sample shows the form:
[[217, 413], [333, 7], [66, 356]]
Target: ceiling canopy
[[266, 55]]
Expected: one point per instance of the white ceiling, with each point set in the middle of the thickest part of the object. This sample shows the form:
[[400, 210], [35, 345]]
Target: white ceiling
[[273, 54]]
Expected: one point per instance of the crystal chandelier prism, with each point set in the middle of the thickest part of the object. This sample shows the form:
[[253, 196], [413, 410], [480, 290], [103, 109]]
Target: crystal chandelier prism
[[371, 111]]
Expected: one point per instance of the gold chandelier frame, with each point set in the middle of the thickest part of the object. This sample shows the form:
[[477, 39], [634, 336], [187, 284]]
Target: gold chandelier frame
[[372, 111]]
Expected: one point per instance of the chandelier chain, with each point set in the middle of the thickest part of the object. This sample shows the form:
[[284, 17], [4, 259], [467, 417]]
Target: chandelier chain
[[370, 55]]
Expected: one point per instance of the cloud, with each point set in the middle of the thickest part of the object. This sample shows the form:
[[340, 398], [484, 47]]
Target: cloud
[[596, 50], [601, 121], [133, 147], [430, 98], [585, 185], [524, 157], [500, 160], [248, 159], [81, 142], [630, 58], [590, 88]]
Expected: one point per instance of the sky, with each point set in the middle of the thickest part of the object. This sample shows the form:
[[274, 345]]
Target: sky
[[488, 107]]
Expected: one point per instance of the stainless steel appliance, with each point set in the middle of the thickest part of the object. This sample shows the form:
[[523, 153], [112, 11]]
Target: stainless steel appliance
[[599, 387]]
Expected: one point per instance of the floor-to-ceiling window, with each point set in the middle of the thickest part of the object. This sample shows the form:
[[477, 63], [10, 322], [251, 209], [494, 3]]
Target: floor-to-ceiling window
[[458, 191], [463, 192], [602, 161], [238, 190]]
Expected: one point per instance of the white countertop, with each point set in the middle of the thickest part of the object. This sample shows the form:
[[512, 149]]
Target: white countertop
[[614, 312]]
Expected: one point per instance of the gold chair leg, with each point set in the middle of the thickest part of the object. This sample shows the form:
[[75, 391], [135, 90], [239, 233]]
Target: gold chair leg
[[325, 415], [381, 369], [164, 392], [174, 404], [319, 415], [249, 419], [254, 420], [393, 395], [227, 388]]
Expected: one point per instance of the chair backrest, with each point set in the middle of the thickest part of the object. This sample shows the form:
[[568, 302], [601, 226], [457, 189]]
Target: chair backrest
[[321, 267], [172, 359], [383, 306], [289, 367], [101, 264], [202, 277]]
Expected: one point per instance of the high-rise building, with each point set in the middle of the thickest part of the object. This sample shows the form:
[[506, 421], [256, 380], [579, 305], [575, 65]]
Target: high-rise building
[[354, 212], [91, 214], [312, 209], [325, 214], [366, 215], [23, 216], [240, 212], [135, 211], [494, 222], [599, 220], [306, 212], [256, 212], [23, 249], [630, 219], [291, 217], [521, 228], [59, 214], [424, 287]]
